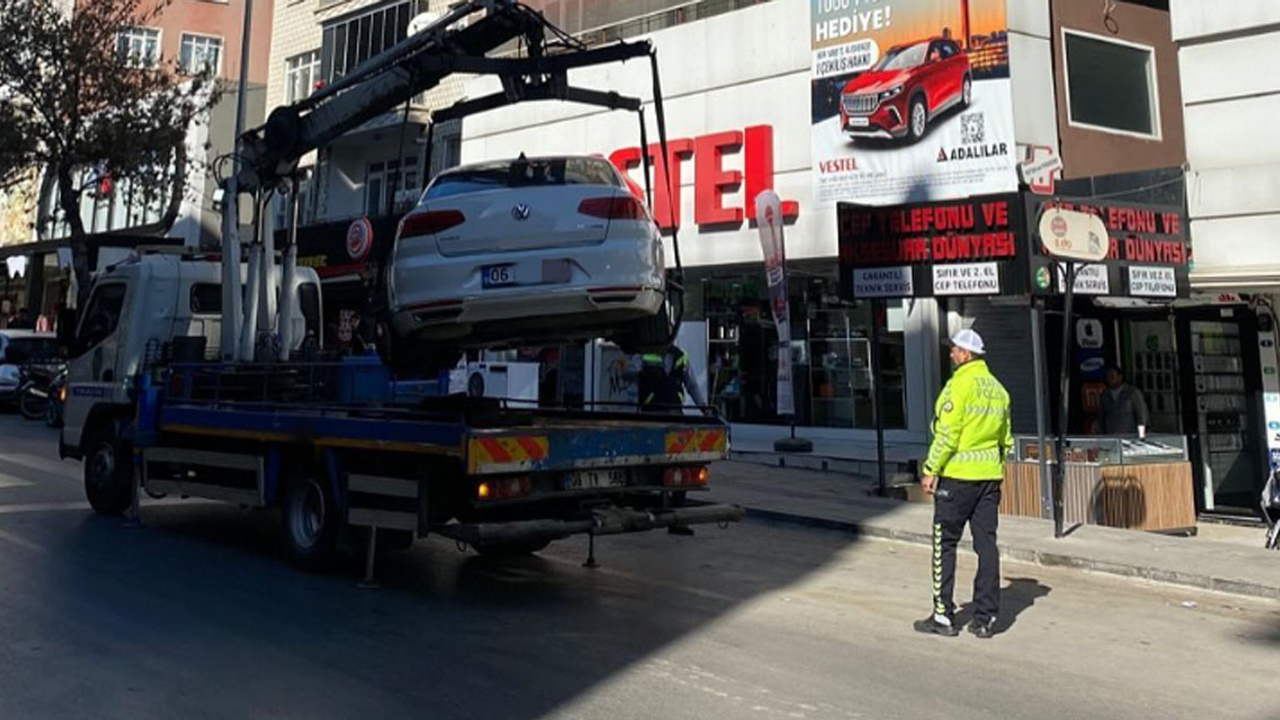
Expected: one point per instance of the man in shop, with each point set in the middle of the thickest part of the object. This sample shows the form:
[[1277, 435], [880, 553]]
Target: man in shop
[[963, 472], [1123, 409], [661, 381]]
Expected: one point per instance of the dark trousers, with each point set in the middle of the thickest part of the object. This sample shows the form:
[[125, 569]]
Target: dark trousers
[[977, 503]]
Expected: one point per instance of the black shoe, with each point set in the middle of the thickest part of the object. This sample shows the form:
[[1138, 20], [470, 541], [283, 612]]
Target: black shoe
[[983, 628], [680, 530], [931, 626]]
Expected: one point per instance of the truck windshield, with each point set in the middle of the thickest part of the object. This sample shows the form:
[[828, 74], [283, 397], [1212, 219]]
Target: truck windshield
[[531, 172]]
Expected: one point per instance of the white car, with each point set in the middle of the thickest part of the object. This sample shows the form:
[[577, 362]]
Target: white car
[[531, 251]]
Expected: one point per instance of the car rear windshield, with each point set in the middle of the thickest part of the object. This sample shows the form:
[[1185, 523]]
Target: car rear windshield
[[524, 173]]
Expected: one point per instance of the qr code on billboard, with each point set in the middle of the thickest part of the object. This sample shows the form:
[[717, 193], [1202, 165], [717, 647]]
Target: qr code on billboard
[[972, 129]]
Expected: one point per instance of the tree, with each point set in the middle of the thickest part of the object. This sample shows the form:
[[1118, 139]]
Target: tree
[[77, 95]]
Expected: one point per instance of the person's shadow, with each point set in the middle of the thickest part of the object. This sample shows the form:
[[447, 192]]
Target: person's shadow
[[1016, 597]]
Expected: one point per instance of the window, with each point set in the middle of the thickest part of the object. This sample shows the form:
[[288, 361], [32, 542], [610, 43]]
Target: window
[[352, 40], [140, 46], [526, 173], [283, 208], [383, 178], [1111, 85], [300, 75], [102, 315], [200, 53], [206, 298]]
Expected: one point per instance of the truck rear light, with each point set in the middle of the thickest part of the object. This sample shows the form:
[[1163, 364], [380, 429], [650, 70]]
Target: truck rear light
[[617, 207], [430, 223], [504, 488], [685, 476]]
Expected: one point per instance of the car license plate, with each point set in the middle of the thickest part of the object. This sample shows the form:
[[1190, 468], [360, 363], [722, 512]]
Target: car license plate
[[856, 121], [498, 275], [591, 479]]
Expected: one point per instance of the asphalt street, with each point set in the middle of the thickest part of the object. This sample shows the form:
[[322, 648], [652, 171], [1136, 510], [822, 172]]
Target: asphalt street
[[195, 615]]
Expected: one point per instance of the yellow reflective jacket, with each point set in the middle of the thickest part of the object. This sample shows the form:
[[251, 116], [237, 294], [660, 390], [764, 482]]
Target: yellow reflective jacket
[[971, 428]]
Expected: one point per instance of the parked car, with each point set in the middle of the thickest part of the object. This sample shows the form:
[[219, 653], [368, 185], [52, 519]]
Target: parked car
[[19, 348], [531, 251], [902, 93]]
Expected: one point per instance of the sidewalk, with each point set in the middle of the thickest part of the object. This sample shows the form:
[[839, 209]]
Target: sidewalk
[[842, 502], [849, 457]]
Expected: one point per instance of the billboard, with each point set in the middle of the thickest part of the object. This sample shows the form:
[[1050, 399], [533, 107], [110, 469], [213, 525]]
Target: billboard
[[911, 100]]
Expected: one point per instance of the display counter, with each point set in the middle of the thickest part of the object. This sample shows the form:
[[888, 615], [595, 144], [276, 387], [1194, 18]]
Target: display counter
[[1125, 482]]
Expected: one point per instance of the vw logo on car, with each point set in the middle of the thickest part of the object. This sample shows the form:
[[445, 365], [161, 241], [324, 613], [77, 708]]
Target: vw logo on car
[[520, 212]]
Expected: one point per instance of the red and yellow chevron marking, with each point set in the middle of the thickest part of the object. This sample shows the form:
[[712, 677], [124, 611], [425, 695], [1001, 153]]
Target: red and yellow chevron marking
[[506, 450], [696, 441]]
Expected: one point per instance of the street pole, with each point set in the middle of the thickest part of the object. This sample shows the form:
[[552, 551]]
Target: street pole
[[877, 394], [231, 298], [1064, 403], [1042, 412]]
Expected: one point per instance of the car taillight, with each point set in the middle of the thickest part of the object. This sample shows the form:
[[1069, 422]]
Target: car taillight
[[617, 207], [431, 222], [685, 476], [504, 488]]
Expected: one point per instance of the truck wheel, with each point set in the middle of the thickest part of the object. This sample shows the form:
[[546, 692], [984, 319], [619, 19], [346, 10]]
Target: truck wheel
[[309, 521], [108, 473], [512, 549]]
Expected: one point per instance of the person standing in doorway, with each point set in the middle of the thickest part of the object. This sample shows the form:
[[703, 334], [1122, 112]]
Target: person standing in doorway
[[972, 436], [1123, 409]]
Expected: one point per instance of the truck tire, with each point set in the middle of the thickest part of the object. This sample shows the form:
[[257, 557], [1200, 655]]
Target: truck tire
[[512, 549], [309, 523], [108, 472]]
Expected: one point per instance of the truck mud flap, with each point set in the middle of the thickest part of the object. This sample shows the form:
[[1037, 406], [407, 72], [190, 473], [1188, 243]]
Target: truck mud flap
[[604, 521]]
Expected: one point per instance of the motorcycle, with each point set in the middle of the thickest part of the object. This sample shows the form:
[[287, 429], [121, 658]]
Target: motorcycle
[[34, 391], [57, 399], [1271, 510]]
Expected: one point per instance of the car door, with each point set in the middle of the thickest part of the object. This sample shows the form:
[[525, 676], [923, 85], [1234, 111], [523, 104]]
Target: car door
[[91, 374], [938, 82], [954, 68]]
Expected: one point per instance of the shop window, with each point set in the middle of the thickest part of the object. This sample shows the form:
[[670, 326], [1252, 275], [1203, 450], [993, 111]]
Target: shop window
[[830, 350], [1111, 85]]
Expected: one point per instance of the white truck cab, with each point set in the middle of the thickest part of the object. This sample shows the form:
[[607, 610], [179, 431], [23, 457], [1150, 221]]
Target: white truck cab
[[135, 308]]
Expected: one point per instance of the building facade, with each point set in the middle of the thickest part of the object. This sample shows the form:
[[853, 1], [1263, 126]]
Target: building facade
[[194, 35]]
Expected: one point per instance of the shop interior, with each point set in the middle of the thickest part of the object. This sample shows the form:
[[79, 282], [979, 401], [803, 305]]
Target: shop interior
[[1199, 375], [831, 347]]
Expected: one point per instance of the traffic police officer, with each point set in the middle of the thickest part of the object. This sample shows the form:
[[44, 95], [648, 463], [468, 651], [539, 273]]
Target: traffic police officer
[[971, 437]]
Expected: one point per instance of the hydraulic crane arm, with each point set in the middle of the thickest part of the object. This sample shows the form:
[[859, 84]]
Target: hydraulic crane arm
[[267, 156]]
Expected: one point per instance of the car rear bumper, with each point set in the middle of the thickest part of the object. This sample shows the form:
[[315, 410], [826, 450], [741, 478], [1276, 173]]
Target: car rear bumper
[[610, 282]]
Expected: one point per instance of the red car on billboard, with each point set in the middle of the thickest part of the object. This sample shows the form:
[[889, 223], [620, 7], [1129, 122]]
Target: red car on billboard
[[903, 92]]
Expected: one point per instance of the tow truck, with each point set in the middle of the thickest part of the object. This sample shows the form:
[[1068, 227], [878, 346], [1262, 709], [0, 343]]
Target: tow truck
[[342, 451]]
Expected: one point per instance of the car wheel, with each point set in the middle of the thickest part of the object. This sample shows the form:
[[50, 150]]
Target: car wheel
[[309, 522], [406, 359], [32, 406], [966, 92], [918, 119], [649, 334], [108, 473]]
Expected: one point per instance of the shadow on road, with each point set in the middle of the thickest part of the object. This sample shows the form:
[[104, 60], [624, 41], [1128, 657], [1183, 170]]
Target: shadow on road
[[1015, 598], [201, 591]]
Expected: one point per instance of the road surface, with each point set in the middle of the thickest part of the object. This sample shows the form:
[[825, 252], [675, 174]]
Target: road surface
[[195, 615]]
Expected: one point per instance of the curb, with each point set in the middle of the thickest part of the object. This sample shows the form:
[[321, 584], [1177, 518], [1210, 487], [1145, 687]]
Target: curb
[[1035, 557]]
